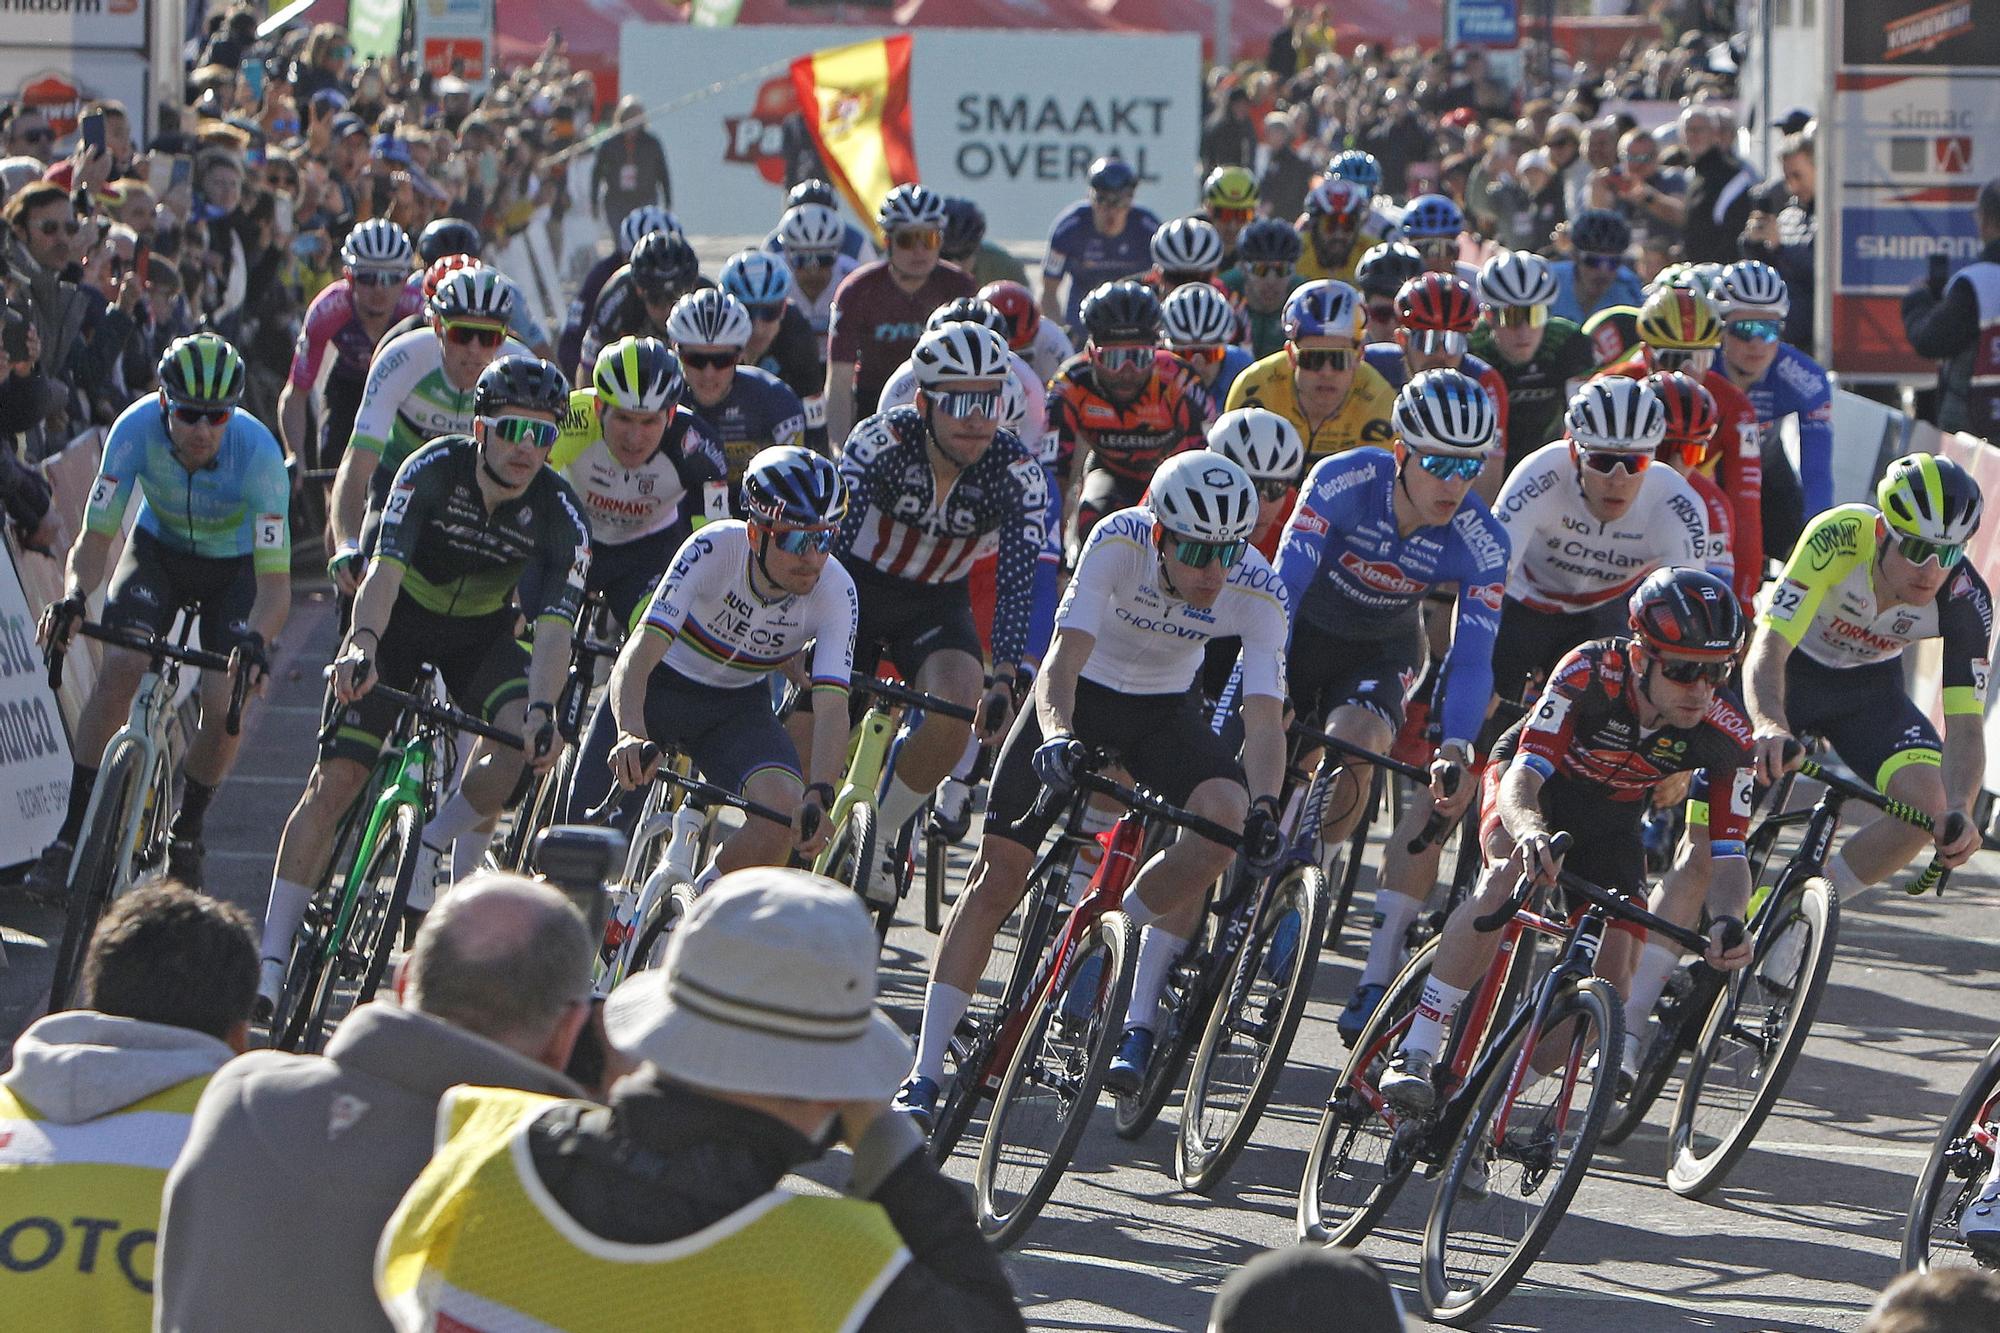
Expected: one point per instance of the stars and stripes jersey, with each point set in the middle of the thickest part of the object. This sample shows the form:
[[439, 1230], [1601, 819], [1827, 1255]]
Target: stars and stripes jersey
[[1585, 728], [901, 526], [722, 633]]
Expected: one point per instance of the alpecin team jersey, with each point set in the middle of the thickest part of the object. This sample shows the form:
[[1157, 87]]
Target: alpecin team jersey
[[1171, 413], [238, 505], [682, 479]]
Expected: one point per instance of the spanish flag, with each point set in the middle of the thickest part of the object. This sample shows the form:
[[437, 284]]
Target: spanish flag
[[856, 101]]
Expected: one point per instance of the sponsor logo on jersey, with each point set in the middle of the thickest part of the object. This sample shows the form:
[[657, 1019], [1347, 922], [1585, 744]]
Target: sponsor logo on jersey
[[1380, 575], [1805, 380], [1488, 595], [1830, 541], [1305, 520], [1479, 538], [1727, 717]]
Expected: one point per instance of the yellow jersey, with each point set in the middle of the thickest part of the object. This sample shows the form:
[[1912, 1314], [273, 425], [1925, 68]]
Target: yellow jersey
[[1362, 420]]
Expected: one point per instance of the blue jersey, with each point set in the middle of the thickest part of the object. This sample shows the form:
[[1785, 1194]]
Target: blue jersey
[[1794, 385], [1349, 572], [1235, 360], [1625, 289], [757, 413], [1089, 259], [1387, 358], [239, 504]]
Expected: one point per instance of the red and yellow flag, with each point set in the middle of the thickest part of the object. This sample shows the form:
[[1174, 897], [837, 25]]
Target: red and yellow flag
[[856, 101]]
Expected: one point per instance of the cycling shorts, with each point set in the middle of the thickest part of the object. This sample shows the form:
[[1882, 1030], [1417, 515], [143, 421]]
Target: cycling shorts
[[1531, 642], [1164, 741], [1104, 492], [342, 404], [153, 583], [1863, 713], [906, 621], [1329, 672], [731, 734], [483, 666], [626, 573]]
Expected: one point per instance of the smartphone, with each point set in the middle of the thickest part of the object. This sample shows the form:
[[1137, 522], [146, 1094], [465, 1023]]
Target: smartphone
[[142, 258], [91, 130], [183, 172], [253, 74], [281, 213], [14, 337], [1940, 269]]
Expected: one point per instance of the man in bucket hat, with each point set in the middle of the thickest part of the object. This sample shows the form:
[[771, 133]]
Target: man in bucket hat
[[756, 1043]]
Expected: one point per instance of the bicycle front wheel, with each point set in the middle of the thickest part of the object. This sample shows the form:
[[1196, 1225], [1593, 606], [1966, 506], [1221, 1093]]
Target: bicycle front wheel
[[1522, 1154], [850, 859], [99, 872], [1754, 1033], [1960, 1160], [357, 959]]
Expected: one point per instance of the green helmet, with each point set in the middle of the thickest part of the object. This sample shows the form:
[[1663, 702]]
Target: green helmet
[[639, 374], [202, 370], [1931, 499]]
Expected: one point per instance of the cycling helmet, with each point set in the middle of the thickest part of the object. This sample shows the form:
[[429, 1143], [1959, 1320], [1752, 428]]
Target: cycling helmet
[[910, 206], [441, 269], [964, 226], [1013, 404], [967, 310], [201, 370], [1361, 168], [1445, 412], [520, 381], [482, 294], [1111, 174], [1342, 201], [1750, 286], [1204, 497], [1686, 612], [1600, 231], [1680, 274], [1262, 443], [1121, 312], [1187, 245], [1517, 278], [1616, 413], [1016, 305], [448, 236], [757, 277], [1269, 241], [1324, 309], [639, 375], [1437, 302], [663, 261], [1432, 215], [709, 318], [793, 486], [1229, 187], [1679, 319], [961, 352], [812, 190], [1689, 408], [1930, 498], [377, 243], [1385, 268], [1197, 315], [811, 228], [644, 221]]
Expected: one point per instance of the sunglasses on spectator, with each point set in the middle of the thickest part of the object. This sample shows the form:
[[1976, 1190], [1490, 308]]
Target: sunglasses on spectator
[[711, 360], [474, 335], [919, 238], [1451, 467], [1609, 461], [1434, 342], [1122, 358], [1608, 263], [1916, 550], [1382, 312], [1520, 316], [523, 430], [810, 259], [1682, 671], [774, 310], [1200, 555], [375, 277], [1209, 355], [1323, 358], [1689, 360], [201, 416], [1753, 330], [804, 541], [1273, 490], [1270, 270], [1221, 215], [960, 404], [281, 181], [51, 226]]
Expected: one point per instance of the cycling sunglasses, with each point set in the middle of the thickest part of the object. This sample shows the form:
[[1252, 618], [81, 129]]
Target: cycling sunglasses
[[1693, 361], [775, 310], [375, 277], [1609, 461], [1129, 357], [1754, 330], [1200, 555], [1435, 342], [919, 238], [1692, 452], [1451, 467], [803, 541], [523, 430], [1682, 671], [1520, 316], [1272, 270], [1112, 198], [1916, 550], [471, 335], [1323, 358], [1432, 246], [1335, 224], [1208, 355], [1222, 215], [959, 404], [201, 416], [1273, 490], [809, 259], [710, 360]]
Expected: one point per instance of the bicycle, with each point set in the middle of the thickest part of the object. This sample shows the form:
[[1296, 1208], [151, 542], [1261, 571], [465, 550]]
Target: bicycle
[[1483, 1233], [131, 809], [547, 795], [1960, 1161], [355, 917]]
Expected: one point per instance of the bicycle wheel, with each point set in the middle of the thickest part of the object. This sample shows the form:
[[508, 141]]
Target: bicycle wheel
[[96, 875], [1753, 1034], [1051, 1084], [536, 813], [656, 932], [1534, 1143], [1954, 1173], [850, 859], [1249, 1032], [1342, 873], [1362, 1153], [373, 926], [1683, 1006], [1184, 1006]]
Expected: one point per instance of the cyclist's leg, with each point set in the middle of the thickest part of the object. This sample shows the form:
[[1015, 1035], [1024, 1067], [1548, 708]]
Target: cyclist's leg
[[939, 651], [1886, 739], [228, 593], [737, 742], [485, 672]]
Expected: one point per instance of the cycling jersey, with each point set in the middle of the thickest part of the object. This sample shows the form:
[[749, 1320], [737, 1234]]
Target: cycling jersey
[[569, 343], [238, 504], [1794, 385], [876, 323], [1348, 571], [1613, 333], [819, 310], [722, 632], [1171, 413], [898, 527], [1148, 641], [1394, 368], [1538, 388], [1564, 559], [1088, 258], [1362, 420], [461, 559], [1625, 290], [1378, 226], [682, 478], [1235, 360], [1049, 350], [521, 321], [901, 391], [333, 324], [408, 401], [621, 312], [757, 413], [1720, 556], [795, 359]]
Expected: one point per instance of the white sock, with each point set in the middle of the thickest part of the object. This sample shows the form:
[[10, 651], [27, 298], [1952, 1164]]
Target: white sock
[[468, 850], [1157, 952], [963, 768], [283, 916], [1393, 914], [899, 807], [943, 1007], [1440, 1001], [1135, 907], [1656, 963], [1845, 882], [454, 819]]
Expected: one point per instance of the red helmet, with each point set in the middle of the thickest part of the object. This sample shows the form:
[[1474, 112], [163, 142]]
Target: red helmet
[[443, 268], [1691, 412], [1017, 306], [1687, 613], [1437, 303]]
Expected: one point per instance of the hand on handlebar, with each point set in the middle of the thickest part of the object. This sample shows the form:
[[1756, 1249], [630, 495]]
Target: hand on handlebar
[[811, 828], [252, 663], [1058, 760], [346, 567], [1263, 841], [542, 742], [1729, 945], [634, 761], [996, 711], [1451, 788], [59, 621], [353, 674], [1957, 838], [1536, 855], [1777, 754]]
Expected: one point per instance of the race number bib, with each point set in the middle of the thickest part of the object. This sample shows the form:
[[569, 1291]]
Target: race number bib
[[103, 491], [269, 534], [1786, 599]]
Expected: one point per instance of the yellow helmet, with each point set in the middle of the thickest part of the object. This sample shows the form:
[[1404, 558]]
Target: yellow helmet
[[1678, 319], [1229, 187]]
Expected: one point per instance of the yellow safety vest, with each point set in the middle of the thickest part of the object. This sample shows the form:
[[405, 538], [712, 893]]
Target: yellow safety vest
[[80, 1210], [478, 1244]]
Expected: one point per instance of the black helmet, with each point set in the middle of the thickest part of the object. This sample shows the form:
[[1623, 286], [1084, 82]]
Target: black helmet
[[964, 226], [793, 486], [448, 236], [664, 261], [1385, 268], [1686, 612], [812, 190], [520, 381], [1269, 241], [1112, 174], [1122, 312], [1600, 231]]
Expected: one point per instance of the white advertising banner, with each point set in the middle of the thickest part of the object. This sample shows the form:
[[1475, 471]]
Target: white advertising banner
[[1011, 119], [61, 24], [34, 748], [58, 83]]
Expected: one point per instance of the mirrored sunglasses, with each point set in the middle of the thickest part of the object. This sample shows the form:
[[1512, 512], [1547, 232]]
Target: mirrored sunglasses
[[202, 416], [1122, 358], [1689, 360], [1222, 215], [1451, 467], [1609, 461], [1200, 555], [1435, 342], [1208, 355], [1271, 270], [1323, 358], [1916, 550], [803, 541], [375, 277], [809, 258], [1754, 330], [1521, 316], [1273, 490], [960, 404], [523, 430], [1682, 671], [471, 335], [919, 238]]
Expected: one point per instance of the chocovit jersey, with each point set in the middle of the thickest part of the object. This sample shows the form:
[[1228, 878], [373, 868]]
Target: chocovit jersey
[[238, 504], [757, 413], [333, 325], [1171, 413], [683, 476], [1566, 560], [1794, 385], [408, 401]]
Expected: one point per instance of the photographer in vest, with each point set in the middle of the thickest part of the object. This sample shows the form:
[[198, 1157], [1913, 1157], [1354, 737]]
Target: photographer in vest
[[1952, 321]]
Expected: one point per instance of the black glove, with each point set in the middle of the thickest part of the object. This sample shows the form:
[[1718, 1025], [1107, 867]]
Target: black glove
[[255, 656], [1263, 841], [542, 739], [1057, 762]]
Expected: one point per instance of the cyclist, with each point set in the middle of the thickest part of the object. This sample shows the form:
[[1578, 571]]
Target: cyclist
[[929, 487], [1040, 342], [1268, 448], [349, 319], [641, 221], [467, 515], [1435, 316], [1318, 380], [1599, 276], [781, 339], [453, 238], [1154, 585], [812, 192], [1613, 332], [214, 528], [1199, 326], [1540, 357], [1863, 583], [1024, 401], [809, 237], [1332, 231], [637, 299], [965, 245], [1095, 241], [1183, 250], [1229, 204], [1365, 170], [1266, 273], [1119, 406], [1691, 421], [743, 598], [1780, 381], [1379, 276], [1617, 717], [1431, 226], [747, 409]]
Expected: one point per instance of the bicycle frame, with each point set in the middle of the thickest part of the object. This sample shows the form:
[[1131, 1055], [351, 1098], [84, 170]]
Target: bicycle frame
[[400, 778], [145, 732]]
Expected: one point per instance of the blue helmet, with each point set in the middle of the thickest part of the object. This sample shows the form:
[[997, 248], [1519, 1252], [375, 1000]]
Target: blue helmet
[[1432, 215], [1326, 308], [1112, 174], [757, 278], [1357, 166]]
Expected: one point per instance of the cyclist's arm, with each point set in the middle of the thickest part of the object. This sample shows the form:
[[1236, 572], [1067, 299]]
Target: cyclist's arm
[[1964, 759], [1303, 542], [1055, 688], [1764, 680], [1815, 419], [832, 668], [636, 660], [292, 426], [395, 372], [374, 600], [1965, 623], [268, 502], [839, 400], [1262, 665], [1022, 537]]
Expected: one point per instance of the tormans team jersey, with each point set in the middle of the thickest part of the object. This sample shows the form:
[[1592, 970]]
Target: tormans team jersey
[[1171, 413], [724, 634], [1361, 421], [409, 402], [1565, 560], [1824, 604], [681, 479], [238, 504]]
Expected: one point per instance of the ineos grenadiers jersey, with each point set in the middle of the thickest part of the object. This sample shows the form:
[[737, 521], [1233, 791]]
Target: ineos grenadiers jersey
[[1149, 642], [459, 558], [722, 633], [408, 401], [682, 478], [899, 526], [240, 504], [332, 323], [1564, 560], [757, 413], [1794, 385], [1824, 604], [1350, 572]]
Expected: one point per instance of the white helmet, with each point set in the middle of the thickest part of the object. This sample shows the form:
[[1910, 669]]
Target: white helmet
[[1517, 278], [1187, 245], [1204, 497], [1013, 404], [1196, 315], [1262, 443], [474, 293], [910, 206], [1618, 414], [1750, 285], [811, 227], [644, 221], [1446, 412], [709, 318], [960, 352], [377, 243]]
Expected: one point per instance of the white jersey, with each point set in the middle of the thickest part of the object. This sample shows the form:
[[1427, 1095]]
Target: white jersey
[[724, 634], [820, 310], [1148, 642], [1050, 349], [901, 390], [407, 401], [1565, 560]]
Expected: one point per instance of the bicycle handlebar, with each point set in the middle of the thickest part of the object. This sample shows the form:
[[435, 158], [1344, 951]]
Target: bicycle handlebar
[[1136, 798], [1932, 879], [1601, 897], [892, 692], [443, 715], [707, 792], [159, 648], [1438, 822], [1434, 828]]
